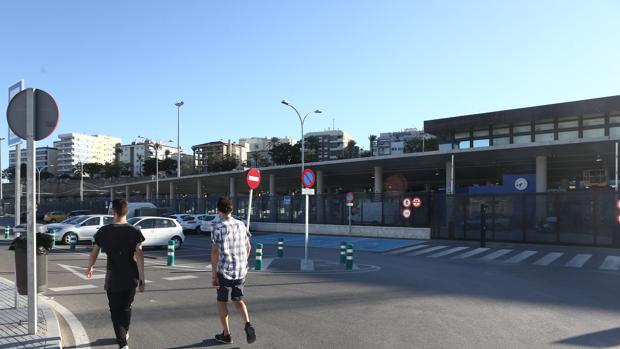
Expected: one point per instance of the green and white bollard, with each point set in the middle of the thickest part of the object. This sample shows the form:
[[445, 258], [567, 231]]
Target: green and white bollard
[[280, 247], [72, 242], [7, 232], [343, 252], [259, 257], [170, 253], [349, 263], [53, 238]]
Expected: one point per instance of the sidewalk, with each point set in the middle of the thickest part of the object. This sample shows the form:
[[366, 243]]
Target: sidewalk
[[14, 322]]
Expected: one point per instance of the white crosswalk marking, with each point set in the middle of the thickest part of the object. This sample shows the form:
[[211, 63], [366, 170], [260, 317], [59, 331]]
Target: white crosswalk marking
[[72, 288], [521, 257], [549, 258], [184, 277], [447, 252], [407, 249], [473, 252], [611, 263], [428, 250], [495, 255], [578, 261]]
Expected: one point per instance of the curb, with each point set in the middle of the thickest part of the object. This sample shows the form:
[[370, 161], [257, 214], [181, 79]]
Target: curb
[[53, 338]]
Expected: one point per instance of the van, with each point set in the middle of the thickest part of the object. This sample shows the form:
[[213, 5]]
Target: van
[[133, 208]]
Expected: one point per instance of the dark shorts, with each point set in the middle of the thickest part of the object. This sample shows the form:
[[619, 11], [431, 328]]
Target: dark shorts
[[234, 287]]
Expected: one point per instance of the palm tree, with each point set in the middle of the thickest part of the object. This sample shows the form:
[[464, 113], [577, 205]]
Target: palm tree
[[167, 153], [372, 139]]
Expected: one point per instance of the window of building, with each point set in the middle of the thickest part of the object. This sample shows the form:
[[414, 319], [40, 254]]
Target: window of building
[[544, 137], [614, 117], [593, 121], [501, 130], [568, 123], [461, 135], [544, 125], [614, 131], [480, 143], [568, 135], [594, 133], [522, 139], [464, 145], [519, 128], [481, 133]]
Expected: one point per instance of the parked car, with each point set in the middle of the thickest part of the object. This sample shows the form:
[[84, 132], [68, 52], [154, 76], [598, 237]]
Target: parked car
[[84, 227], [211, 221], [133, 208], [78, 213], [193, 222], [178, 216], [158, 231], [22, 228], [54, 216]]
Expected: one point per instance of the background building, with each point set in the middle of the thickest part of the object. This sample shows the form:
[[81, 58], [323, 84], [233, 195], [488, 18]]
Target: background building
[[75, 147], [258, 149], [331, 143], [135, 154], [393, 143], [202, 152], [47, 157]]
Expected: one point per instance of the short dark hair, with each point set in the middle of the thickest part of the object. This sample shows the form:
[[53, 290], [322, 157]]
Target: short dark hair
[[224, 205], [119, 206]]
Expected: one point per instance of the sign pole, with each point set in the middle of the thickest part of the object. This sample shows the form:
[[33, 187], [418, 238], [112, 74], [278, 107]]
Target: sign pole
[[349, 220], [616, 167], [250, 208], [306, 230], [31, 218]]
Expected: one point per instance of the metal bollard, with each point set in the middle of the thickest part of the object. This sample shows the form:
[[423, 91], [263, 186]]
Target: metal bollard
[[7, 232], [53, 238], [170, 253], [72, 242], [280, 247], [483, 225], [343, 252], [259, 257], [349, 264]]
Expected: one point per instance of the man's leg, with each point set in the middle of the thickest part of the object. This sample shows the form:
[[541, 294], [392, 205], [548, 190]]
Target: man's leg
[[125, 315], [115, 301], [223, 312], [243, 310]]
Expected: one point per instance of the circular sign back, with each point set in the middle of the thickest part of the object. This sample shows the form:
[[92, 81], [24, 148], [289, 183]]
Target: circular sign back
[[253, 178], [45, 111]]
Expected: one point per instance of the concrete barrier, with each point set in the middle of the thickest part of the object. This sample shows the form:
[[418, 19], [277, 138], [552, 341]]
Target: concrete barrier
[[356, 230]]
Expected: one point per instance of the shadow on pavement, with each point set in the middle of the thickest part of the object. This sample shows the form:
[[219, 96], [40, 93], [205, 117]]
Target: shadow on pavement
[[205, 343], [602, 339], [97, 343]]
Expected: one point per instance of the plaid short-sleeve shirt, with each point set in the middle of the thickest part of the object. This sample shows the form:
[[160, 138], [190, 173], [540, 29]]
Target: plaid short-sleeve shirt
[[231, 238]]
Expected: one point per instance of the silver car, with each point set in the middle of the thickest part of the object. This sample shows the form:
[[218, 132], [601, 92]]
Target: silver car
[[84, 227]]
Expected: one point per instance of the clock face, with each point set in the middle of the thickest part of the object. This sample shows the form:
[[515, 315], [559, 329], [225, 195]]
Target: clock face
[[521, 184]]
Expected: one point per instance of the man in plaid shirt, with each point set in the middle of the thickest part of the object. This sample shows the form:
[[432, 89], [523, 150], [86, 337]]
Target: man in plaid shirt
[[230, 248]]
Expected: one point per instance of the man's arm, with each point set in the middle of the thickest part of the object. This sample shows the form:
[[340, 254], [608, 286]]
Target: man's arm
[[140, 261], [215, 253], [249, 247], [92, 259]]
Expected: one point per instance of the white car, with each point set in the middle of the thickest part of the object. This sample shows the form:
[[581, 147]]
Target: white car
[[193, 222], [178, 216], [158, 231], [84, 227], [207, 225]]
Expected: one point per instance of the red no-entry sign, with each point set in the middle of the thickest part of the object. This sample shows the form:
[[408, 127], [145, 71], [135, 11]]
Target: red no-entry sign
[[416, 202], [253, 178]]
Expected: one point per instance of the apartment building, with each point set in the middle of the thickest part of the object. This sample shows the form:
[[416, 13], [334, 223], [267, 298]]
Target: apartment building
[[76, 147], [258, 149], [135, 154], [393, 143], [47, 159], [204, 151], [331, 143]]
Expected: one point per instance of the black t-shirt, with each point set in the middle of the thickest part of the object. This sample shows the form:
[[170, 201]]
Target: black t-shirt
[[119, 242]]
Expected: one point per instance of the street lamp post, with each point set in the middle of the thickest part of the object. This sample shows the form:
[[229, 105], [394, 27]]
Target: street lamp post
[[1, 194], [156, 146], [178, 105], [81, 181], [39, 170], [303, 150]]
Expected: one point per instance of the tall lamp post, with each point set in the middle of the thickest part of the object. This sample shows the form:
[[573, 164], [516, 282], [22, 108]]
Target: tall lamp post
[[156, 145], [301, 121], [1, 194], [178, 105], [39, 170]]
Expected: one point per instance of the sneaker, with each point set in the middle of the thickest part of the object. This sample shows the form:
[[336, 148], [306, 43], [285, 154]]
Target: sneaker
[[127, 336], [250, 333], [223, 339], [125, 347]]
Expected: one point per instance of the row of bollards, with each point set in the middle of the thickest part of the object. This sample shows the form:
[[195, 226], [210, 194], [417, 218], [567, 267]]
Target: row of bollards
[[346, 254]]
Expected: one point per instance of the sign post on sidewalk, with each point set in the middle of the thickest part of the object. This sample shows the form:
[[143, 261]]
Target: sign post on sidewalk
[[253, 181], [349, 198], [307, 179], [32, 114]]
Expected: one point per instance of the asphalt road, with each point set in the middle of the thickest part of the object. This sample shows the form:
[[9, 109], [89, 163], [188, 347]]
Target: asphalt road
[[427, 300]]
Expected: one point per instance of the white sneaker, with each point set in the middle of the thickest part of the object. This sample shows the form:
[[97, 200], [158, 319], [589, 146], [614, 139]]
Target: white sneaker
[[125, 347]]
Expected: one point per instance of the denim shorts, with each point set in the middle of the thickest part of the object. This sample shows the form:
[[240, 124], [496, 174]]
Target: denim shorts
[[234, 287]]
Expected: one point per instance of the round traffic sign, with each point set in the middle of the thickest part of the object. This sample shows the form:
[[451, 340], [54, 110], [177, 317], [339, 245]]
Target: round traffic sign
[[406, 213], [45, 114], [253, 178], [349, 197], [308, 178], [406, 202], [416, 202], [618, 204]]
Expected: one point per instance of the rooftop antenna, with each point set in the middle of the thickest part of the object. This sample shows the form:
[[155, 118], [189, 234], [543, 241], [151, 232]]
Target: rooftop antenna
[[333, 123]]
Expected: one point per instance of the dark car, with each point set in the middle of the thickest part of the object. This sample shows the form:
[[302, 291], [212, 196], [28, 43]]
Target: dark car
[[78, 213]]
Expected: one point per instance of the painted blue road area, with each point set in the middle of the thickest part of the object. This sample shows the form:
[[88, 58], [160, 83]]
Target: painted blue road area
[[359, 243]]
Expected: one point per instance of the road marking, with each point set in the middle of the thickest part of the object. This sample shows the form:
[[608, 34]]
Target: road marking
[[447, 252], [184, 277], [81, 275], [495, 255], [611, 263], [80, 337], [473, 252], [428, 250], [266, 263], [406, 249], [549, 258], [72, 288], [578, 261], [521, 257]]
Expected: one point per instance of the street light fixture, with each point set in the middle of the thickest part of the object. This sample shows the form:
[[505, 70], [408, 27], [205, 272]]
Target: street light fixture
[[39, 170], [156, 145], [179, 105]]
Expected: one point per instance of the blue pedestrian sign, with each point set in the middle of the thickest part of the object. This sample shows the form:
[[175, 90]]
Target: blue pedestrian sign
[[286, 200], [13, 90], [308, 178]]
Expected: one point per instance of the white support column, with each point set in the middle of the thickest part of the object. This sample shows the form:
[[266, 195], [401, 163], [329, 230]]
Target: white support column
[[272, 185], [127, 192], [273, 204], [111, 194], [320, 200], [449, 179], [171, 192], [199, 189], [541, 174], [232, 187], [148, 192], [378, 180]]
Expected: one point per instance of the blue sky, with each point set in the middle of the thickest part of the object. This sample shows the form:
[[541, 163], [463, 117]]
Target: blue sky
[[118, 67]]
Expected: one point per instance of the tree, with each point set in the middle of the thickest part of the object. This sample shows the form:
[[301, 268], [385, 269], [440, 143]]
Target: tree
[[415, 145], [257, 158], [372, 139], [167, 165], [351, 150], [218, 163], [312, 149], [167, 153], [286, 154], [93, 169]]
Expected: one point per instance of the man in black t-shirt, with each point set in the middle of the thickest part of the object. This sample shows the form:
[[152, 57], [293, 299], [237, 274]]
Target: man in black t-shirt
[[122, 243]]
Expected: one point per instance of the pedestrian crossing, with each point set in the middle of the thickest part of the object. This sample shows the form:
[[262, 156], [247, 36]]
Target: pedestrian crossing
[[508, 256]]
